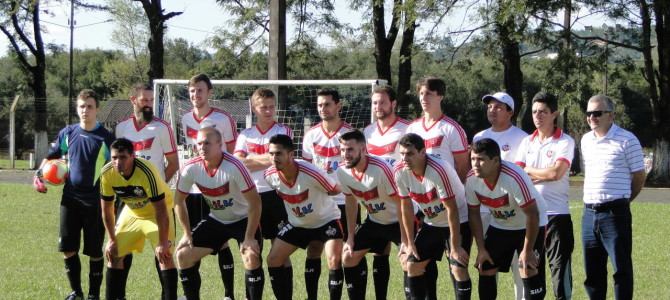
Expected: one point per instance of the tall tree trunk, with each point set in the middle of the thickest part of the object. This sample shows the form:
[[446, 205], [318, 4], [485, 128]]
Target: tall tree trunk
[[383, 42], [661, 166], [157, 19], [512, 75], [405, 65]]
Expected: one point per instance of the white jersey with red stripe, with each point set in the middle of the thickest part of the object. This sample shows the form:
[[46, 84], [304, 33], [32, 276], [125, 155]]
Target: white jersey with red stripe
[[443, 139], [152, 141], [253, 141], [219, 119], [508, 140], [373, 188], [506, 197], [306, 200], [222, 188], [439, 183], [544, 154], [323, 150], [384, 143]]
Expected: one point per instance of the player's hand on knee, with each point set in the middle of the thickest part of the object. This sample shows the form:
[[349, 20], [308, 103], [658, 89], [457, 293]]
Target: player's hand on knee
[[411, 250], [528, 262], [111, 251], [250, 246], [348, 248], [185, 242], [39, 185], [460, 255], [482, 258], [163, 252]]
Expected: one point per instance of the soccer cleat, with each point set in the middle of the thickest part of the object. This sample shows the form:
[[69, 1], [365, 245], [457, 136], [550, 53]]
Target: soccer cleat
[[74, 296]]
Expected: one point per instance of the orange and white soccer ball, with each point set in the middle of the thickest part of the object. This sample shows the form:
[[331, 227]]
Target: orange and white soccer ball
[[55, 172]]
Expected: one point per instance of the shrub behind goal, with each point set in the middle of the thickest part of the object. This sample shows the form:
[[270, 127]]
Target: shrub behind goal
[[171, 101]]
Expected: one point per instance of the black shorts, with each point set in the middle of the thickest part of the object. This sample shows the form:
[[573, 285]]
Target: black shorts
[[273, 214], [301, 237], [212, 234], [431, 241], [75, 217], [501, 245], [197, 208], [343, 218], [374, 236]]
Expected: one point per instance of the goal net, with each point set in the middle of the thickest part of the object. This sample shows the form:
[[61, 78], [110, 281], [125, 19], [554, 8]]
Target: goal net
[[171, 101]]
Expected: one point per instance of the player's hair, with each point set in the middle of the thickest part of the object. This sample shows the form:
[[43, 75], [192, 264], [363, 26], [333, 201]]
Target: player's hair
[[329, 92], [387, 89], [283, 140], [486, 146], [548, 99], [139, 87], [260, 94], [123, 145], [412, 140], [356, 135], [432, 83], [211, 130], [604, 99], [89, 93], [200, 77]]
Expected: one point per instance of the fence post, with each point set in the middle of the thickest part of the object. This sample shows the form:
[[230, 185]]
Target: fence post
[[12, 132]]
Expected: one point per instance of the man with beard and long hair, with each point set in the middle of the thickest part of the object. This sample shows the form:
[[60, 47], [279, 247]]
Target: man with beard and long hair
[[152, 140]]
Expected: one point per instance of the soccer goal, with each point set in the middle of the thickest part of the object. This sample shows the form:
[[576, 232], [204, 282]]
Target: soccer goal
[[171, 101]]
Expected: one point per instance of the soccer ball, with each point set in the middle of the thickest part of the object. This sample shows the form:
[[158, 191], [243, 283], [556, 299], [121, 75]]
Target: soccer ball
[[55, 171]]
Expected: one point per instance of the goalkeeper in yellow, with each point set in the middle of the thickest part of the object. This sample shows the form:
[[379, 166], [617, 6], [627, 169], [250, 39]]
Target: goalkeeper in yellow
[[149, 202]]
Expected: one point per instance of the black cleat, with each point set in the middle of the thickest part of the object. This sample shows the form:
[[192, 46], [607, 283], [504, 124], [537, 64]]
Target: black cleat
[[74, 296]]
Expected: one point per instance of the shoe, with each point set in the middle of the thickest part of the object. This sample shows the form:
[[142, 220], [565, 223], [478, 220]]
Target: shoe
[[74, 296], [93, 297]]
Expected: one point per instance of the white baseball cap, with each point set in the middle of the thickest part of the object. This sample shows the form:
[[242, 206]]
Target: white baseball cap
[[500, 97]]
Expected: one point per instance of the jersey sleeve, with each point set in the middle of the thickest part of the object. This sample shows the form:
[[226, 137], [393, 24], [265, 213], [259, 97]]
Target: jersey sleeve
[[184, 129], [566, 150], [229, 130], [307, 147], [242, 177], [458, 140], [241, 144], [341, 178], [521, 153], [470, 196], [521, 189], [60, 145], [444, 185], [106, 190], [401, 184], [167, 140], [185, 180], [387, 182], [289, 132], [319, 178]]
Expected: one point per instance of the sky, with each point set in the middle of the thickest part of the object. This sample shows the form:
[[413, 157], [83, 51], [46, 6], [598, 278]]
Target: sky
[[197, 23]]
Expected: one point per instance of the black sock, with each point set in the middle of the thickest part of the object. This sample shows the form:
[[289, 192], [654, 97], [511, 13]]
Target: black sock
[[417, 287], [190, 281], [533, 287], [431, 280], [463, 289], [127, 263], [227, 268], [115, 281], [381, 272], [335, 279], [488, 287], [405, 285], [254, 283], [312, 274], [280, 282], [73, 272], [169, 279], [288, 272], [95, 276], [356, 281]]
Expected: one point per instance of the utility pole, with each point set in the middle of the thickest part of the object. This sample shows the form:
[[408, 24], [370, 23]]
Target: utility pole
[[70, 105]]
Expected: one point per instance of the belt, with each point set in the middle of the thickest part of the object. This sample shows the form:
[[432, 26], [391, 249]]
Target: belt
[[609, 205]]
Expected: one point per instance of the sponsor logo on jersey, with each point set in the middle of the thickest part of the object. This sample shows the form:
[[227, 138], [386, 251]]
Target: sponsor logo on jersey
[[434, 142], [191, 132], [505, 148], [214, 192], [434, 210], [130, 191], [294, 199], [258, 148], [367, 195], [143, 145], [503, 214], [374, 208], [326, 151], [221, 204], [301, 211], [550, 153], [424, 198], [493, 202], [382, 150]]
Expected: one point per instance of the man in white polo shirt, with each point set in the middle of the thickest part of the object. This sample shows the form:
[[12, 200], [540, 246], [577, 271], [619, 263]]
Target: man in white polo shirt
[[613, 177], [546, 156]]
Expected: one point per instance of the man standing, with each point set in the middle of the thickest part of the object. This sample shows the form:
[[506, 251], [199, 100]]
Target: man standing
[[147, 215], [369, 180], [517, 224], [499, 112], [312, 217], [546, 156], [382, 136], [613, 177], [434, 185], [321, 146], [443, 136], [86, 146], [200, 90], [235, 209]]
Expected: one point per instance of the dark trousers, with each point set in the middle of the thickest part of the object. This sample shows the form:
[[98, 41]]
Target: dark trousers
[[559, 243], [607, 231]]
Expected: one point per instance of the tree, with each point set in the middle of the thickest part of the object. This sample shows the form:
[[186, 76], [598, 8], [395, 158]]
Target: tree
[[157, 18], [131, 33], [661, 110], [21, 25]]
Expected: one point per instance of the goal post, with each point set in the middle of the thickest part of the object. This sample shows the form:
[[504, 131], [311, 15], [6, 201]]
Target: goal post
[[171, 101]]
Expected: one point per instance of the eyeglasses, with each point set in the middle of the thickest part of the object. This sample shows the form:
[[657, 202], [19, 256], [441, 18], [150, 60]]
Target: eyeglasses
[[596, 113]]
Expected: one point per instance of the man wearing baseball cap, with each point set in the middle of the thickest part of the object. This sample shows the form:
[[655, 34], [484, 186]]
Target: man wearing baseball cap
[[499, 111]]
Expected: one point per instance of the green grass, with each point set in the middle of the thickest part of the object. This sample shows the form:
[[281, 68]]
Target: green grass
[[32, 269], [18, 164]]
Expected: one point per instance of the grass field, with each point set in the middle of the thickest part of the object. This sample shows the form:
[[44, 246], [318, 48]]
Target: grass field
[[32, 269], [18, 164]]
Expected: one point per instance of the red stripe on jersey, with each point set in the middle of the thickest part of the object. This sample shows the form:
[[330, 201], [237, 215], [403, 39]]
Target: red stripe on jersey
[[443, 176], [493, 202], [425, 198], [381, 150], [366, 195], [433, 142], [173, 144], [143, 145], [316, 175], [294, 199], [270, 171], [191, 132], [326, 151], [459, 129], [387, 171], [214, 192], [243, 170], [519, 180], [258, 148]]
